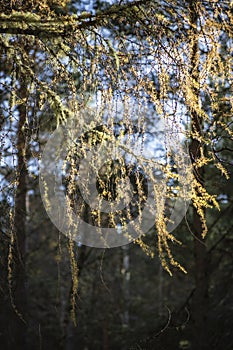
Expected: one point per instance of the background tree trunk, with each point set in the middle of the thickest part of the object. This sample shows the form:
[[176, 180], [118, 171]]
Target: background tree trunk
[[18, 323], [200, 296]]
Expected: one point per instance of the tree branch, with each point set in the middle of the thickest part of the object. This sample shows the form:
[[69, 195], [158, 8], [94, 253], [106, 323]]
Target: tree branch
[[33, 24]]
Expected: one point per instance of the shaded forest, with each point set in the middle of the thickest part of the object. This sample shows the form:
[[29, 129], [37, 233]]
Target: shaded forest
[[143, 75]]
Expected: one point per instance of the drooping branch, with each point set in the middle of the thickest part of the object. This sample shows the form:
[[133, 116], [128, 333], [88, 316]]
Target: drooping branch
[[34, 24]]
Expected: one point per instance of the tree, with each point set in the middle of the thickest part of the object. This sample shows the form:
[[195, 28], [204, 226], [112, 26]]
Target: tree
[[162, 61]]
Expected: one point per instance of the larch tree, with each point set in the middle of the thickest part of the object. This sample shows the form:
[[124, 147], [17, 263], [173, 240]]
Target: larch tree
[[129, 66]]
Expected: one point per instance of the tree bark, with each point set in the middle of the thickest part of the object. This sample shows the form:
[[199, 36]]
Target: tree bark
[[18, 321]]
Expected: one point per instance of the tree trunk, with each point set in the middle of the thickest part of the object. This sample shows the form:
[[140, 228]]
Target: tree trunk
[[18, 321], [126, 285], [200, 296]]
